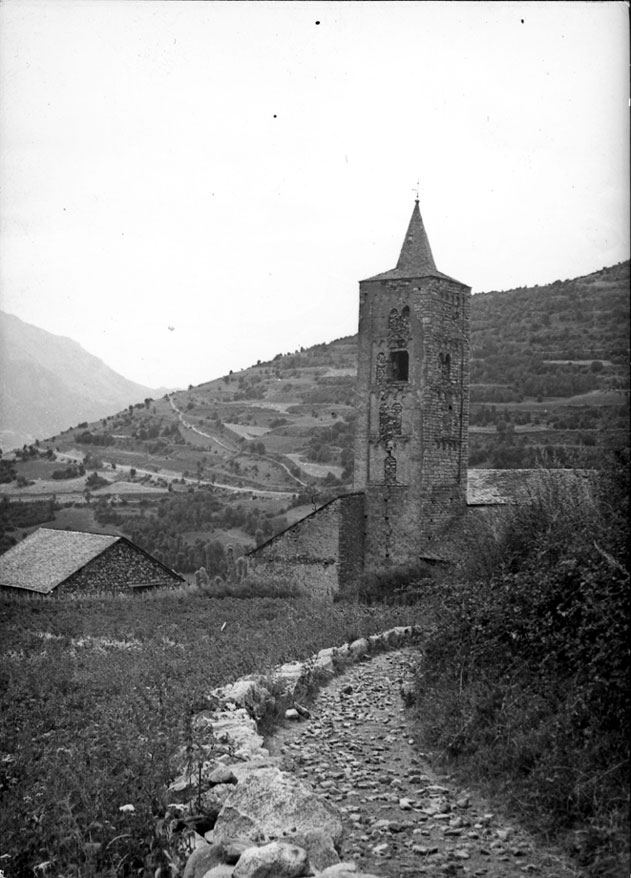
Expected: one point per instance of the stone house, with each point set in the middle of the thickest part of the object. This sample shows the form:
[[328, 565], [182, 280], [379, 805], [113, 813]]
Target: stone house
[[63, 562]]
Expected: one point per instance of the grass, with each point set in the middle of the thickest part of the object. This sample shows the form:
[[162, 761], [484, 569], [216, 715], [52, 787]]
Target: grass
[[95, 698]]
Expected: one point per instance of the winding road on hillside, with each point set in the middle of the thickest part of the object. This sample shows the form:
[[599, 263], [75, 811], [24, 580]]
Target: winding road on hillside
[[402, 820], [232, 450]]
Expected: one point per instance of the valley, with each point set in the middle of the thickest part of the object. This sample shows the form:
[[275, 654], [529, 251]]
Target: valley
[[232, 461]]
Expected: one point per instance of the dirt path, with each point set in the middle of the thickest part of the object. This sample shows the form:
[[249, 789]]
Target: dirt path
[[401, 818]]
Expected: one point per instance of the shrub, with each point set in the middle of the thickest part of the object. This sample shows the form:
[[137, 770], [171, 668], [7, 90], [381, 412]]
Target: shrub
[[525, 676], [69, 472], [398, 585]]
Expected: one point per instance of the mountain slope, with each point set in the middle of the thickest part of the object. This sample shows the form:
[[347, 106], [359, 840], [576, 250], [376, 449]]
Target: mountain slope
[[549, 379], [48, 383], [234, 460]]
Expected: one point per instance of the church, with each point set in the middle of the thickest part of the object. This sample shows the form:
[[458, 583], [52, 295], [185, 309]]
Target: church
[[412, 487]]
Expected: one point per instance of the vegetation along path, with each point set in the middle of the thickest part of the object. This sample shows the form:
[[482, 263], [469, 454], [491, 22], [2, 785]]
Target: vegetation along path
[[401, 818]]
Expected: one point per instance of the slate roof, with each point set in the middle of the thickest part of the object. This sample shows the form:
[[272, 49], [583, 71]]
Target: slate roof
[[47, 557], [500, 487], [415, 259]]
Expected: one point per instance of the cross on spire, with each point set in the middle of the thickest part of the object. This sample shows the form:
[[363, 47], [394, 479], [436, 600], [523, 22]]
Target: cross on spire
[[416, 190]]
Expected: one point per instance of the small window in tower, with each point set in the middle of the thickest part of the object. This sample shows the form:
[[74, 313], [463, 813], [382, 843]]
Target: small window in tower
[[445, 366], [399, 366]]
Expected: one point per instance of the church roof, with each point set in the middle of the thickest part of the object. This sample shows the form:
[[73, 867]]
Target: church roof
[[416, 254], [500, 487], [415, 259]]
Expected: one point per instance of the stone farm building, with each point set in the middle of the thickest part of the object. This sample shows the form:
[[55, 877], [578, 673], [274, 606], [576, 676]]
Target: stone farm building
[[413, 491], [72, 562]]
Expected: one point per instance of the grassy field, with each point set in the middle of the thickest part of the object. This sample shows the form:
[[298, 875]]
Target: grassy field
[[95, 696]]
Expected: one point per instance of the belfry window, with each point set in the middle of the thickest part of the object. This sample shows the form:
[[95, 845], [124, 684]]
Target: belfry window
[[445, 366], [399, 366]]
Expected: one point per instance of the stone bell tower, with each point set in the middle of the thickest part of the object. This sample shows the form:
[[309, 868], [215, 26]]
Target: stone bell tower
[[411, 440]]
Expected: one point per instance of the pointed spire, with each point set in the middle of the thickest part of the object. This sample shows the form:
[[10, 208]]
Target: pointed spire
[[416, 257]]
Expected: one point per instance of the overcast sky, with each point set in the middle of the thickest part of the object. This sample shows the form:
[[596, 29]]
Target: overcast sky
[[189, 187]]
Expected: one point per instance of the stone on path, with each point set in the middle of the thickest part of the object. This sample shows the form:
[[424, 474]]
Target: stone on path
[[220, 775], [268, 805], [345, 870], [274, 860], [203, 859], [221, 871]]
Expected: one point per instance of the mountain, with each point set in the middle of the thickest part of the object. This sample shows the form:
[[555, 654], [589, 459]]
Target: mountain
[[49, 382]]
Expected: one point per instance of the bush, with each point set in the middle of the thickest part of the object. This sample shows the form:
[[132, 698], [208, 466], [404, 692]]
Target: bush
[[398, 585], [525, 677], [95, 481], [69, 472]]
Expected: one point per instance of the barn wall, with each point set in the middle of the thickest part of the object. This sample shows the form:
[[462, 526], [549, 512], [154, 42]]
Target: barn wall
[[119, 568]]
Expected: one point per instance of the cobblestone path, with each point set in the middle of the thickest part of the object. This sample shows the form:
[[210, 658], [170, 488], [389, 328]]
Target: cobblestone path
[[401, 818]]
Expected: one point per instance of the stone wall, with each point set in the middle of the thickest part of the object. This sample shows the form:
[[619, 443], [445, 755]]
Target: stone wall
[[248, 809], [119, 568], [351, 543], [322, 553]]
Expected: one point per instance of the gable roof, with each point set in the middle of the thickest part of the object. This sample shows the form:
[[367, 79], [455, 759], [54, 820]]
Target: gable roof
[[415, 259], [47, 557]]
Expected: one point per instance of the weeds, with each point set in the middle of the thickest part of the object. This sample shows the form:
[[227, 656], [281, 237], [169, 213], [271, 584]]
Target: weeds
[[89, 728]]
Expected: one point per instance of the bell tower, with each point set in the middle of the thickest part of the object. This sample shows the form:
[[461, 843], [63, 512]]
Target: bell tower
[[411, 440]]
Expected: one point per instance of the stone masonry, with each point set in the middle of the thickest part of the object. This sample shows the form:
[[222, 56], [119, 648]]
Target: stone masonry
[[318, 551], [412, 404], [121, 567], [411, 442]]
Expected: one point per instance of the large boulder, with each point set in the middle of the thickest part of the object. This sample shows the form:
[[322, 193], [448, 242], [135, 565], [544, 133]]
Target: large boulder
[[234, 728], [203, 859], [248, 692], [324, 664], [273, 860], [268, 805], [359, 648], [290, 676], [345, 870], [224, 871]]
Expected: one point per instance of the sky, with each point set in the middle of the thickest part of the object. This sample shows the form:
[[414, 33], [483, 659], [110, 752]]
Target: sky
[[187, 187]]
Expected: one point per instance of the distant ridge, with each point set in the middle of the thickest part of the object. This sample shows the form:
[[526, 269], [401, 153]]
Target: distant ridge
[[49, 383]]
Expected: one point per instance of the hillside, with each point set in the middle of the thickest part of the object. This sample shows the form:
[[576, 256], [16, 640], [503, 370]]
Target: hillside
[[549, 386], [49, 382]]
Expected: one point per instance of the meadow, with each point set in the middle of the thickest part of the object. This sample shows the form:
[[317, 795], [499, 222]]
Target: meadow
[[95, 697]]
